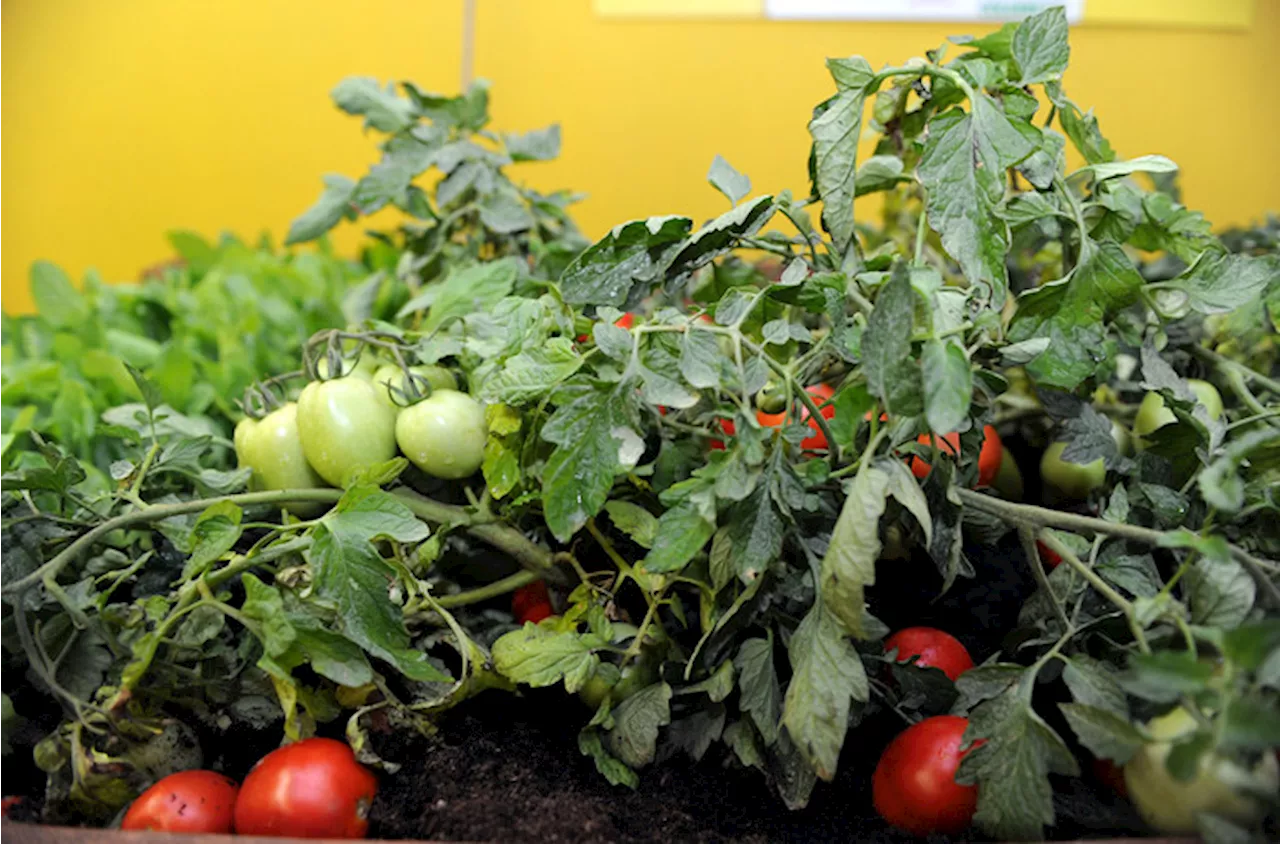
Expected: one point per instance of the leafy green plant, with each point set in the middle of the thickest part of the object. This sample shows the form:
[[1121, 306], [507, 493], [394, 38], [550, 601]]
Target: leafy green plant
[[713, 559]]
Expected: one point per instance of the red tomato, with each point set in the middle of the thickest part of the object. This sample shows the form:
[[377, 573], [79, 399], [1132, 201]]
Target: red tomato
[[990, 456], [7, 803], [311, 789], [625, 321], [188, 801], [1048, 556], [820, 393], [935, 649], [1111, 775], [529, 596], [914, 787]]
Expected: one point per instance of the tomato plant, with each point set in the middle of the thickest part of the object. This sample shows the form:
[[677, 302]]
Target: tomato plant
[[444, 434], [314, 788], [915, 788], [933, 648], [531, 603], [725, 603], [270, 447], [188, 801]]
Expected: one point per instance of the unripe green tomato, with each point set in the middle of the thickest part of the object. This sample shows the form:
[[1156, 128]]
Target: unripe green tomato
[[344, 427], [772, 399], [391, 377], [244, 429], [1008, 482], [444, 434], [1153, 414], [271, 448], [634, 677], [1219, 787], [1070, 479]]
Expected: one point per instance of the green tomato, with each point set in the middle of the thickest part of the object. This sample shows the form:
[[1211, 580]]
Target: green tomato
[[271, 448], [1153, 414], [632, 679], [773, 398], [1072, 480], [344, 427], [444, 434], [1008, 482], [392, 376], [1220, 786]]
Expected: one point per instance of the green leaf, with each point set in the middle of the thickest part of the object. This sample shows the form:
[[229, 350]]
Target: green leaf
[[727, 180], [478, 287], [681, 533], [906, 491], [1104, 170], [699, 359], [963, 172], [331, 654], [755, 531], [635, 521], [56, 298], [504, 212], [637, 252], [1012, 767], [538, 145], [201, 626], [892, 373], [1104, 733], [948, 385], [596, 441], [199, 255], [1219, 282], [531, 375], [1081, 128], [264, 604], [851, 74], [1040, 46], [325, 214], [761, 695], [616, 772], [1221, 484], [998, 45], [835, 133], [720, 235], [827, 675], [348, 573], [849, 565], [540, 657], [879, 172], [384, 110], [1092, 682], [1249, 645], [634, 737], [215, 533], [1164, 676], [1220, 594]]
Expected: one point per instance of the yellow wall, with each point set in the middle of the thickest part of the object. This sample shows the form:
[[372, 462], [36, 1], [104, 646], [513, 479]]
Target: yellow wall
[[125, 119]]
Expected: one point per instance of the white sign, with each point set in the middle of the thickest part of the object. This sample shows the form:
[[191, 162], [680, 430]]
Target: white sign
[[917, 10]]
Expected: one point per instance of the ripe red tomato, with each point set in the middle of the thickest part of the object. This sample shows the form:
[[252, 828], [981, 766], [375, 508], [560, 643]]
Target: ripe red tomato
[[1111, 775], [311, 789], [989, 456], [820, 393], [8, 803], [188, 801], [531, 602], [625, 321], [935, 649], [1048, 556], [914, 787]]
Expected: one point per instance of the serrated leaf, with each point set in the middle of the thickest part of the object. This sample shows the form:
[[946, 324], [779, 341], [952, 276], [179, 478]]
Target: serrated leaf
[[540, 657], [962, 170], [835, 131], [532, 374], [215, 533], [849, 565], [325, 214], [633, 520], [633, 253], [595, 442], [827, 676], [537, 145], [1220, 594], [1040, 46], [381, 108], [891, 371], [1220, 282], [699, 359], [1142, 164], [1092, 682], [682, 532], [948, 385], [760, 694], [55, 297], [634, 737], [612, 769], [1103, 732]]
